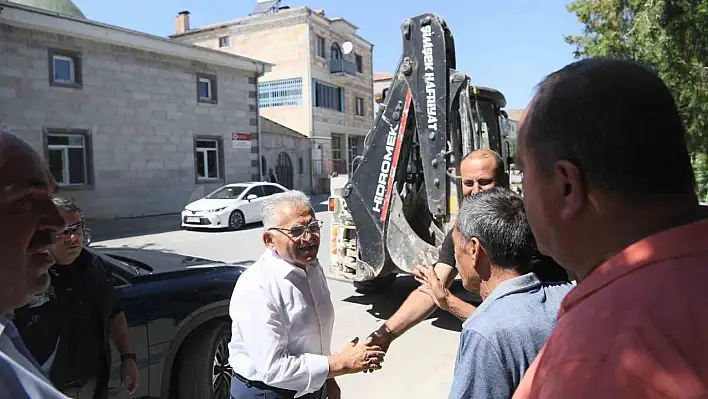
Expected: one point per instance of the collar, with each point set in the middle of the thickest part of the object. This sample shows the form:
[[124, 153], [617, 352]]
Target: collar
[[282, 267], [677, 242], [511, 286], [4, 320]]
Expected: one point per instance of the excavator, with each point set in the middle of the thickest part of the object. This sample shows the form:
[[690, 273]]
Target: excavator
[[394, 210]]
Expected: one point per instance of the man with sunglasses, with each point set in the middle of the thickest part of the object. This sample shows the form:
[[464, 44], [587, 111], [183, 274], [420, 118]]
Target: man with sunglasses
[[282, 314], [67, 327]]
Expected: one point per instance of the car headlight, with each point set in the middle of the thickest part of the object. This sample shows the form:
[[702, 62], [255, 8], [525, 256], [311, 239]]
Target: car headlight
[[215, 210]]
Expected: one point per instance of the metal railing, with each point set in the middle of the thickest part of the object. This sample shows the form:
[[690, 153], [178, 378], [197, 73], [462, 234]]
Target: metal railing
[[342, 66]]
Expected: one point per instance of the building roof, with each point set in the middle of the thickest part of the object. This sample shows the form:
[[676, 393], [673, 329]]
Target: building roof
[[291, 11], [379, 76], [284, 129], [65, 7], [28, 17]]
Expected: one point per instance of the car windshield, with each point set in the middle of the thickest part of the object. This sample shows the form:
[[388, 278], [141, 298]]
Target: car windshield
[[226, 192]]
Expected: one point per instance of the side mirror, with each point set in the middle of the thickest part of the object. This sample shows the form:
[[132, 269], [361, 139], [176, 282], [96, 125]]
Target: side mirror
[[251, 197]]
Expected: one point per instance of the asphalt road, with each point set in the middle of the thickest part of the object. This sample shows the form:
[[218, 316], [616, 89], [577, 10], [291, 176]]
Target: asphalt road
[[418, 365]]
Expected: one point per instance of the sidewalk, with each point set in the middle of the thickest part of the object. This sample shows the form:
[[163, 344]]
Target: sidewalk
[[107, 229]]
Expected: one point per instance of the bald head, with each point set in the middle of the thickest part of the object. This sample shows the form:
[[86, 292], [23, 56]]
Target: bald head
[[481, 170], [20, 162], [483, 154]]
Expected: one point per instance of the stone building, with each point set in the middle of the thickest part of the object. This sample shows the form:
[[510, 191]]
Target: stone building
[[286, 153], [321, 84], [382, 80], [130, 124]]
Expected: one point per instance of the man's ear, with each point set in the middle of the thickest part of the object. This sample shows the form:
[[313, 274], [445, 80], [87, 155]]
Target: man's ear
[[570, 188], [480, 260], [473, 248], [268, 240]]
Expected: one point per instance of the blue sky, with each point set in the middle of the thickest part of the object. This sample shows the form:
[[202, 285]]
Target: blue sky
[[506, 44]]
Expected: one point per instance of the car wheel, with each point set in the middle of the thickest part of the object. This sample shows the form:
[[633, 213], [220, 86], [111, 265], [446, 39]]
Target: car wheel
[[204, 371], [236, 220]]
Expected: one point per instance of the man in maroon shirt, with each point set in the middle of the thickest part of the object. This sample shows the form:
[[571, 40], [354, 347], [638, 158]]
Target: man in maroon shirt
[[609, 192]]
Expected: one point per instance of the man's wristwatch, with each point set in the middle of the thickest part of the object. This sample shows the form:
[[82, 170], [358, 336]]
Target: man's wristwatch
[[126, 356]]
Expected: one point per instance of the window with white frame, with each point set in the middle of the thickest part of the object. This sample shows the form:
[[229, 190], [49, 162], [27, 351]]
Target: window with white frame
[[64, 68], [67, 158], [208, 157], [359, 106], [224, 41], [279, 93], [206, 88]]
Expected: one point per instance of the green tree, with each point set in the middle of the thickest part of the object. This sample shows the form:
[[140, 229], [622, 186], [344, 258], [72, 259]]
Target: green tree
[[670, 36]]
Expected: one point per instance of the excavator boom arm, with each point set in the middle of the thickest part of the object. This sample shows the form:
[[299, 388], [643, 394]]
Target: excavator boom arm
[[399, 196]]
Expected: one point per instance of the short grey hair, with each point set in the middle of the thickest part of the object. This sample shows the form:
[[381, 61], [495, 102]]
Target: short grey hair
[[496, 217], [269, 212], [66, 204]]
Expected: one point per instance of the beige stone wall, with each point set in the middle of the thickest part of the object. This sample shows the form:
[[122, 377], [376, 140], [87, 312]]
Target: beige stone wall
[[327, 121], [141, 113], [278, 139], [283, 39], [282, 44]]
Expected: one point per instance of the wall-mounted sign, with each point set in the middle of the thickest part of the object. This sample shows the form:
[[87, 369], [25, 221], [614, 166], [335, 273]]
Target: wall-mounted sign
[[241, 140]]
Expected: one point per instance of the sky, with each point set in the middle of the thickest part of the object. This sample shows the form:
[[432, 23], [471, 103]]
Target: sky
[[509, 45]]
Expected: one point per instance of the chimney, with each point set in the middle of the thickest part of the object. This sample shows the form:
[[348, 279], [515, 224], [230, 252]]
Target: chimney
[[182, 22]]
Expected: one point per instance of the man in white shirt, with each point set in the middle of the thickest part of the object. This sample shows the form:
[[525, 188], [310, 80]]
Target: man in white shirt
[[282, 314], [29, 222]]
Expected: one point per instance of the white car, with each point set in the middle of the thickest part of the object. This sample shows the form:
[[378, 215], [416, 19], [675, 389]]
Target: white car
[[232, 206]]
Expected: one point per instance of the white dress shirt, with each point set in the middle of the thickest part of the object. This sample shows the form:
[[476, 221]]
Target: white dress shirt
[[282, 319]]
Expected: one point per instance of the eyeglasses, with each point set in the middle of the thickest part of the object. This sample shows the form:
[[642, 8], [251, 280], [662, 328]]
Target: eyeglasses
[[297, 231], [72, 230]]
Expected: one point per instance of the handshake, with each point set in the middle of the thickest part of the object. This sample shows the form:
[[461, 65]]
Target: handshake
[[366, 357]]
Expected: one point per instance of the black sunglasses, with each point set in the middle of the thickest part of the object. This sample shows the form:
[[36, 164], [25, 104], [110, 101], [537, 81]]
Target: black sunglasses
[[72, 230], [297, 231]]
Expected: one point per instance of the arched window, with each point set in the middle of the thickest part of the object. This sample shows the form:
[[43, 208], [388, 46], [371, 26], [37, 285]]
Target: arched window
[[336, 51]]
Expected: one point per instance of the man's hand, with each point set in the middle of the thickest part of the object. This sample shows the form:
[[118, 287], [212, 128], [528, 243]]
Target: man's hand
[[129, 370], [333, 391], [381, 338], [355, 358], [431, 285]]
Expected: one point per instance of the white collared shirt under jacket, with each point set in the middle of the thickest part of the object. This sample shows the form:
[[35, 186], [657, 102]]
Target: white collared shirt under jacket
[[282, 319]]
